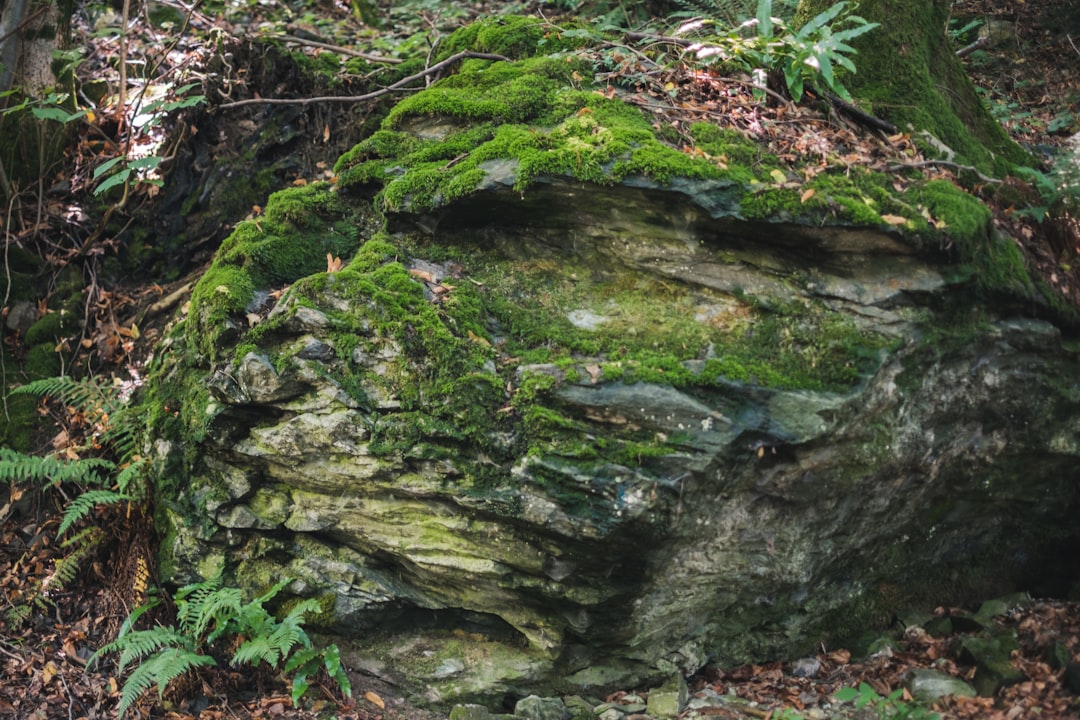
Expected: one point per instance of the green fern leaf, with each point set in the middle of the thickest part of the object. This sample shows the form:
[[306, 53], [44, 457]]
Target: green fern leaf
[[31, 468], [81, 506], [256, 650], [160, 670], [132, 478], [141, 643]]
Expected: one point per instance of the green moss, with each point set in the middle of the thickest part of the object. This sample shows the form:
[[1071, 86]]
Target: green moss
[[527, 112], [513, 36], [301, 226]]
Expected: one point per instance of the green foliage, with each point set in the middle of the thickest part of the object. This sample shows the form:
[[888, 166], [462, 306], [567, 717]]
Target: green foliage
[[806, 57], [732, 12], [210, 615], [889, 707], [101, 481], [1059, 188]]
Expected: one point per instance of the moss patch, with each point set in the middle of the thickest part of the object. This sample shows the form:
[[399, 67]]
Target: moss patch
[[292, 240]]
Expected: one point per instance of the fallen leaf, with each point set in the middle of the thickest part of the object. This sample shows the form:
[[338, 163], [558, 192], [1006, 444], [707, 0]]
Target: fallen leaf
[[422, 275], [894, 219], [476, 338], [809, 193], [375, 700], [594, 373], [48, 672], [333, 264], [778, 176], [840, 657]]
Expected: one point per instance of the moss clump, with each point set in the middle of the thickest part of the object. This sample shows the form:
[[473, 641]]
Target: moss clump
[[300, 228], [527, 112], [514, 36], [997, 263]]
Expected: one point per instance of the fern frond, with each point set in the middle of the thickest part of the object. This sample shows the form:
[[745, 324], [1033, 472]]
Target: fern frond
[[219, 610], [131, 478], [20, 467], [125, 628], [257, 649], [141, 643], [85, 394], [160, 670], [67, 569], [99, 400], [81, 506]]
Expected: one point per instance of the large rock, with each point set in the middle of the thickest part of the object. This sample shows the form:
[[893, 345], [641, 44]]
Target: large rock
[[602, 432]]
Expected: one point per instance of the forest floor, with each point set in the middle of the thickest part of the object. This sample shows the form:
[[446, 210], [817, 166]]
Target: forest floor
[[1030, 79]]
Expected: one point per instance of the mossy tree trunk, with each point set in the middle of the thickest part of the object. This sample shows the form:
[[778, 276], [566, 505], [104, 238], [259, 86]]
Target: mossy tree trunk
[[908, 72]]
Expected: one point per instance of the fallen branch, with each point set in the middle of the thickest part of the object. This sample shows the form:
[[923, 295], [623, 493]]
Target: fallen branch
[[337, 49], [942, 163], [981, 42], [860, 116], [357, 98]]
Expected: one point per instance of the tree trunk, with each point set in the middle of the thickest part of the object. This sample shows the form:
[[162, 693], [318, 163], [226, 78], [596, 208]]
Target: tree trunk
[[29, 37], [908, 73]]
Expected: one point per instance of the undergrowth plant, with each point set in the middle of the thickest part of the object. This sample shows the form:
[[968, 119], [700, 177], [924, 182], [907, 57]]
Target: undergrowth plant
[[807, 57], [83, 471], [887, 707], [1059, 189], [209, 618]]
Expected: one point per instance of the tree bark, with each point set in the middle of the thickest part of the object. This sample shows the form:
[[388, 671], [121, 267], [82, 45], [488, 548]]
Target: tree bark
[[908, 73]]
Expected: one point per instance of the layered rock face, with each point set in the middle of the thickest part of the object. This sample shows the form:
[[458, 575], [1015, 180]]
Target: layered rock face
[[594, 434]]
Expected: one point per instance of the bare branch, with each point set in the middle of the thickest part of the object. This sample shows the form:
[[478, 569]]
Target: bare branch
[[399, 85]]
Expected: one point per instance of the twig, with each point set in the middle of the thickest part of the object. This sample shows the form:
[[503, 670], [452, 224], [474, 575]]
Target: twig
[[681, 42], [943, 163], [357, 98], [965, 51], [337, 49], [1069, 38], [861, 116]]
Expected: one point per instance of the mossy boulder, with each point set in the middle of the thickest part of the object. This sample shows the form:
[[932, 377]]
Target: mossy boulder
[[578, 409]]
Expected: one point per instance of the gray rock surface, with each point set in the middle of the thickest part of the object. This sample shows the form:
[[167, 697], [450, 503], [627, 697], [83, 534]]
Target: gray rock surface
[[632, 434]]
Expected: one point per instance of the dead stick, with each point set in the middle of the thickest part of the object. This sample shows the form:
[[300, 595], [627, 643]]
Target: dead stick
[[356, 98], [942, 163], [338, 49]]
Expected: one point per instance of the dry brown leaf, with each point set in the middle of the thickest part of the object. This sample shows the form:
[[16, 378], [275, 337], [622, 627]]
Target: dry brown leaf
[[422, 275], [894, 219], [809, 193], [333, 264], [375, 700]]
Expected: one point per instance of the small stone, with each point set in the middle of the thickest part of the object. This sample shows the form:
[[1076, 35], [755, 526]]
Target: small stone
[[806, 667], [991, 654], [929, 685], [470, 712], [668, 700], [534, 707], [610, 714], [578, 707], [448, 668]]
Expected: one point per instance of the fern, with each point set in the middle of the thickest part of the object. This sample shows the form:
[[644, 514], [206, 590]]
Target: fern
[[83, 505], [207, 612], [160, 670], [98, 400], [19, 467]]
